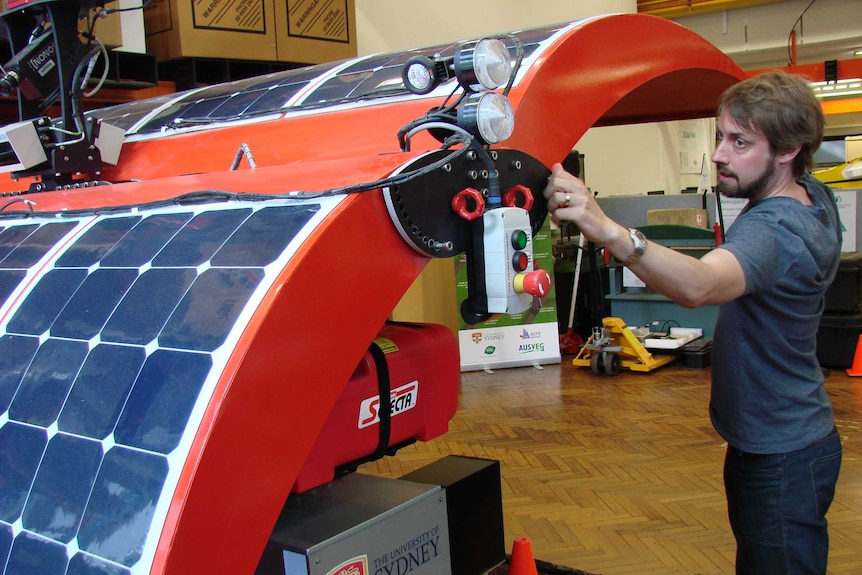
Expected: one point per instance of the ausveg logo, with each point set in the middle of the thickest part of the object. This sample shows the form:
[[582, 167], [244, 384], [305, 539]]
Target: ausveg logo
[[531, 347]]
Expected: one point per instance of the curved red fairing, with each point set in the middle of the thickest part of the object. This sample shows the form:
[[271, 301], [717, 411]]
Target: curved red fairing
[[311, 312]]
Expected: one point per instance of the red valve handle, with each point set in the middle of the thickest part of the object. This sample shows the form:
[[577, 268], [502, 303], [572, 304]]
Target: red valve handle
[[536, 283], [510, 198], [459, 204]]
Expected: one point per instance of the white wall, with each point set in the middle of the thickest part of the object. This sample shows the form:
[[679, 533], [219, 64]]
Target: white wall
[[636, 159], [388, 25]]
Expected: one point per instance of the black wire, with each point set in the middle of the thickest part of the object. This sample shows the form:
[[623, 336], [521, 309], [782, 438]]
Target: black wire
[[131, 8], [211, 196], [15, 201], [792, 28]]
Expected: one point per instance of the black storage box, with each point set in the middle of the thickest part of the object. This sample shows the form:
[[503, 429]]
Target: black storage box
[[837, 338], [698, 353], [474, 504], [845, 293]]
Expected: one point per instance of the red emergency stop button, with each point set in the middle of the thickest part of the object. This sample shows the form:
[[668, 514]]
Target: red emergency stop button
[[536, 283]]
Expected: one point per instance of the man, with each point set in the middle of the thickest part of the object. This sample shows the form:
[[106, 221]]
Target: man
[[770, 276]]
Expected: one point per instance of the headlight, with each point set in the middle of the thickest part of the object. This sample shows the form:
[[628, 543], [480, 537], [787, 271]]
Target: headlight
[[483, 64], [422, 74], [487, 115]]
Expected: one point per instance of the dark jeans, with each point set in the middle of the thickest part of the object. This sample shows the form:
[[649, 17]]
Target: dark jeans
[[777, 507]]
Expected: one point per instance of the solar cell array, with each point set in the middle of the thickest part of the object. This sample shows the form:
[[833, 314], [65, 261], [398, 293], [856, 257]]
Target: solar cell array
[[113, 332], [319, 86]]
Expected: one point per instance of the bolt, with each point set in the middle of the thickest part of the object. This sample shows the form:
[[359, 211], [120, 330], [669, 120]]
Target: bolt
[[471, 155], [516, 164], [473, 174], [446, 168], [445, 246]]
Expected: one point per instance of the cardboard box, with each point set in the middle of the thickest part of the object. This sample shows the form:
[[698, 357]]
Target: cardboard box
[[108, 30], [240, 29], [314, 31], [677, 217]]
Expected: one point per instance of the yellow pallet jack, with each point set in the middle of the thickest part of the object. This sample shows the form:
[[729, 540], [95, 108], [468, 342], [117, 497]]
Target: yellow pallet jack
[[613, 346]]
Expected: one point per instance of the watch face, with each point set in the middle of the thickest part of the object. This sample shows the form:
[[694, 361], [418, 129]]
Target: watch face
[[638, 239]]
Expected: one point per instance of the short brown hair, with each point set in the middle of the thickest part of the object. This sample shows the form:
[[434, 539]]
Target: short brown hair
[[784, 109]]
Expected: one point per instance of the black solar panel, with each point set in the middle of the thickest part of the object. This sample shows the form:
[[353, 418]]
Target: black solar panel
[[339, 83], [113, 331]]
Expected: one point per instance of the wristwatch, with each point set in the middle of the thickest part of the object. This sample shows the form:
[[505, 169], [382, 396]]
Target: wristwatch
[[640, 242]]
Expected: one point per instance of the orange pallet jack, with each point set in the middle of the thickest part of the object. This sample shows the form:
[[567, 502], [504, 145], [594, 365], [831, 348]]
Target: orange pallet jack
[[613, 346]]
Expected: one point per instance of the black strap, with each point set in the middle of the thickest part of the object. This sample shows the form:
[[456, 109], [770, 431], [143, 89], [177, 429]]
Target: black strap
[[385, 407]]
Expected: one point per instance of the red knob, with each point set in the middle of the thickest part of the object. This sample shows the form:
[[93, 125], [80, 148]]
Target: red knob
[[510, 198], [460, 204], [536, 283]]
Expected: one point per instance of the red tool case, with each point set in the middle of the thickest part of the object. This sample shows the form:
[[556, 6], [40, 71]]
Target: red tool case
[[418, 367]]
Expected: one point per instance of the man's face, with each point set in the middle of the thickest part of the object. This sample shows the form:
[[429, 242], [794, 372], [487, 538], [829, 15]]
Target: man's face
[[745, 163]]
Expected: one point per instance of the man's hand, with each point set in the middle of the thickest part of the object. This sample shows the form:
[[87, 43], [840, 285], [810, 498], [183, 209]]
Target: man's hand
[[570, 200]]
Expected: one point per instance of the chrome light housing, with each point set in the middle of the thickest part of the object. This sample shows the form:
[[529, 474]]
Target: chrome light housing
[[487, 115]]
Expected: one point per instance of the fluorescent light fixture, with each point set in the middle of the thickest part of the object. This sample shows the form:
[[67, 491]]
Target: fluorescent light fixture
[[838, 89]]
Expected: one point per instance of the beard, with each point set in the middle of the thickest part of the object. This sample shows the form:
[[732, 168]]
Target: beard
[[736, 189]]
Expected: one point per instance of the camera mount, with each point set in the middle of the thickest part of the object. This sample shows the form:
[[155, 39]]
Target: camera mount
[[43, 71]]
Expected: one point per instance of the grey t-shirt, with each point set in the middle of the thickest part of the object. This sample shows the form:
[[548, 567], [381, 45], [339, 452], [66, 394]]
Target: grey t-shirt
[[767, 385]]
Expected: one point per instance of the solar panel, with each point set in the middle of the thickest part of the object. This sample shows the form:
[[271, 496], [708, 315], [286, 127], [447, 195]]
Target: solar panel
[[339, 83], [114, 329]]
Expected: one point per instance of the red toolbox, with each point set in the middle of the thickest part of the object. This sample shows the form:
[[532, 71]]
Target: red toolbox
[[418, 367]]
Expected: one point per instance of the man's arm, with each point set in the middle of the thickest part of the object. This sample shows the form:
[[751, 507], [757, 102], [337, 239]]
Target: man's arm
[[717, 277]]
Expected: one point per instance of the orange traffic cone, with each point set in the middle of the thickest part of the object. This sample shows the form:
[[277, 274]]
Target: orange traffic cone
[[522, 562], [856, 368]]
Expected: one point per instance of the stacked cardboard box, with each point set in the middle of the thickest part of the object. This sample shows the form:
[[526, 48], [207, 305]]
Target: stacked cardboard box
[[300, 31]]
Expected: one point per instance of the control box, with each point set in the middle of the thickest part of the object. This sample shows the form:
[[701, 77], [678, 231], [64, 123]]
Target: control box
[[508, 258]]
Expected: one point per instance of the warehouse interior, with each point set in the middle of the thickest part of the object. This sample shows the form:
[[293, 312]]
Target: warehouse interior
[[552, 435]]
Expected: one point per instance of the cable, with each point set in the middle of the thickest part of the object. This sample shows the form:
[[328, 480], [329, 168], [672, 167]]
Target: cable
[[436, 115], [431, 126], [519, 46], [792, 28], [223, 196], [26, 202], [91, 65], [77, 113]]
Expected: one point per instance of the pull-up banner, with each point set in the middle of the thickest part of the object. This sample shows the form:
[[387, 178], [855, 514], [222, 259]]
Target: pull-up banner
[[527, 338]]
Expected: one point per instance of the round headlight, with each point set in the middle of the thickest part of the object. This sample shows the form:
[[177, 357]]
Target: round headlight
[[487, 115], [420, 75], [483, 64]]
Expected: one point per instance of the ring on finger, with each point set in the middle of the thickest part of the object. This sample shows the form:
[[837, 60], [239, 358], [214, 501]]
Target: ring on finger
[[568, 201]]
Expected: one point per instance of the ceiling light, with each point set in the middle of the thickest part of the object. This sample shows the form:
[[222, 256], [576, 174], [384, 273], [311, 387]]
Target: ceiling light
[[838, 89]]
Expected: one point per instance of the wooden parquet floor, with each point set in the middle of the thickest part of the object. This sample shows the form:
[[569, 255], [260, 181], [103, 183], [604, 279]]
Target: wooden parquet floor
[[621, 475]]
